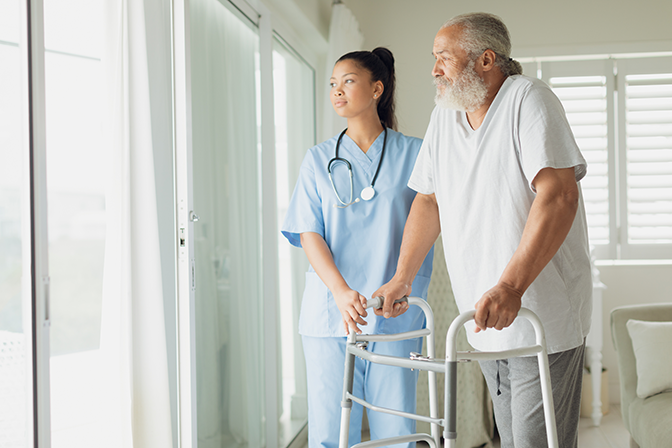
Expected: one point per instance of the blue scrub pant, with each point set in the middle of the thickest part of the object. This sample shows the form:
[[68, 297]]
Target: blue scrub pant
[[386, 386]]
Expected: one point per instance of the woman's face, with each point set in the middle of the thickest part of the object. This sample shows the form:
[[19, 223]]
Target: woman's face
[[352, 91]]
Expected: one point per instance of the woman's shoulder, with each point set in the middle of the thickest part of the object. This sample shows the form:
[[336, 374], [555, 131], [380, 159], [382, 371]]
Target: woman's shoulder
[[322, 150]]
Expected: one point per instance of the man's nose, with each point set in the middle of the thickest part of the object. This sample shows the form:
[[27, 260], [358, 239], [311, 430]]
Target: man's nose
[[436, 70]]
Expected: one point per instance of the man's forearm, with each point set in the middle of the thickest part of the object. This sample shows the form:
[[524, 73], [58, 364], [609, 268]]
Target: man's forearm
[[422, 229], [551, 217]]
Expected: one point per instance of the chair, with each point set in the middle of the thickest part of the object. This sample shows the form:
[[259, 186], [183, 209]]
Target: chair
[[648, 420]]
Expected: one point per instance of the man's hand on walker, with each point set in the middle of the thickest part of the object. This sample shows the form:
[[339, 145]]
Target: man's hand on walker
[[391, 291], [497, 308]]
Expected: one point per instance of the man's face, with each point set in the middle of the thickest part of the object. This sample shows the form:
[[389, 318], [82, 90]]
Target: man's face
[[458, 85]]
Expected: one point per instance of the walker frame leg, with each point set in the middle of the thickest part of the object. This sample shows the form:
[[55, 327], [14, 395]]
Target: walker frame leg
[[346, 402]]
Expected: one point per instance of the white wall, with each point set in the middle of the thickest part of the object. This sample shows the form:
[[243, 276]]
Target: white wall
[[538, 28], [408, 27]]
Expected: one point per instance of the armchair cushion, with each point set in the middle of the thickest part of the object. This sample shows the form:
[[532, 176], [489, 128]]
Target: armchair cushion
[[650, 343], [651, 420]]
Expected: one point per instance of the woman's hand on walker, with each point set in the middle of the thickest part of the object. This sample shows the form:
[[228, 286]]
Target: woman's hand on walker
[[352, 306], [391, 291]]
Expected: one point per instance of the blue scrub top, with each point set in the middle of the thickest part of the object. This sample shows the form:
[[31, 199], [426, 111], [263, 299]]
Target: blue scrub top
[[364, 238]]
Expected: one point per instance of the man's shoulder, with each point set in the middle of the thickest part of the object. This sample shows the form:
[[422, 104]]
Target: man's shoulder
[[527, 91], [525, 83]]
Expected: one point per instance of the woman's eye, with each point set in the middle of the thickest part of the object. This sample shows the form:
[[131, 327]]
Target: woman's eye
[[348, 81], [332, 84]]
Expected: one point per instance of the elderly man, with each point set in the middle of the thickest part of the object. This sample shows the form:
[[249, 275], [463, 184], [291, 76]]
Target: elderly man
[[497, 175]]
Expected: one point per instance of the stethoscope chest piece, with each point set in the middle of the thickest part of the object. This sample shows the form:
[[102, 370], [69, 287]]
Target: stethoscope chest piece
[[368, 193]]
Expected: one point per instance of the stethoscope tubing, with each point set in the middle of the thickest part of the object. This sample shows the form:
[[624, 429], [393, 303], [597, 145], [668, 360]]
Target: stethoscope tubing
[[349, 165]]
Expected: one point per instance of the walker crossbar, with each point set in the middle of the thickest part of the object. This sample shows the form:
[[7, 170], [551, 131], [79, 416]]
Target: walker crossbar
[[504, 354], [400, 439], [393, 337], [388, 360], [418, 417]]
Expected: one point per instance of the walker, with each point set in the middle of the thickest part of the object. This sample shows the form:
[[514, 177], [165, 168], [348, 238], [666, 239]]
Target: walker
[[356, 346]]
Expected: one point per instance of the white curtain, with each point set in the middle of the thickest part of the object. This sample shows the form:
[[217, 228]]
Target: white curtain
[[344, 37], [136, 404], [230, 369]]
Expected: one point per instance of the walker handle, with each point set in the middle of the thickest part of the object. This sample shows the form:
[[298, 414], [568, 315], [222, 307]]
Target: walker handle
[[377, 302]]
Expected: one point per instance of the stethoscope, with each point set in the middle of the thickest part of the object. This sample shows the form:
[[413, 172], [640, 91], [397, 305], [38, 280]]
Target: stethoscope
[[367, 192]]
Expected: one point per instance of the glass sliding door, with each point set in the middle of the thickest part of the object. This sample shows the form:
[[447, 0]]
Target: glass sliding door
[[77, 222], [294, 103], [226, 263], [15, 294]]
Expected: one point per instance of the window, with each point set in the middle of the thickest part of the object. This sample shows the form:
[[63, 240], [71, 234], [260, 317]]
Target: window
[[294, 104], [15, 318], [620, 110], [76, 220]]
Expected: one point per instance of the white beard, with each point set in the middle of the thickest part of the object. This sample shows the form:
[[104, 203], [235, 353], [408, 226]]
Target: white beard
[[467, 93]]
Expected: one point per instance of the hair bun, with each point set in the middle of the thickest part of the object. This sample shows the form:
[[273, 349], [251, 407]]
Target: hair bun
[[386, 56]]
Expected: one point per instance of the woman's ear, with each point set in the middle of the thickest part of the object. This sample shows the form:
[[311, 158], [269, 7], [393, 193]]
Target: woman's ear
[[378, 89]]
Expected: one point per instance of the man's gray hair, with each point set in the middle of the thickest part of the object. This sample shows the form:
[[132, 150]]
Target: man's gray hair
[[482, 31]]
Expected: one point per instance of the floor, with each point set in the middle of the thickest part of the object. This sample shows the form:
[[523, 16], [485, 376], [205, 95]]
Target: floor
[[610, 434]]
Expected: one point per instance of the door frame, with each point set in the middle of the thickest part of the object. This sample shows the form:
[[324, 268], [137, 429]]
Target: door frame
[[35, 287]]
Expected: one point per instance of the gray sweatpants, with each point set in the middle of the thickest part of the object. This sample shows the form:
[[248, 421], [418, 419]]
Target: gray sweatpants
[[519, 412]]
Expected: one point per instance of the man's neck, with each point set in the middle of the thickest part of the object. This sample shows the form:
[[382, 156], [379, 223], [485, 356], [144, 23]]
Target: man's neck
[[476, 117]]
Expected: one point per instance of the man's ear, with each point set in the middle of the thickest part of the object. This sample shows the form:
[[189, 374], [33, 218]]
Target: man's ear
[[488, 60]]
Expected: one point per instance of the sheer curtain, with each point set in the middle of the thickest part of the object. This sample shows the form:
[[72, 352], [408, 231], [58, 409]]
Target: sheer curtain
[[136, 405], [344, 37], [224, 55]]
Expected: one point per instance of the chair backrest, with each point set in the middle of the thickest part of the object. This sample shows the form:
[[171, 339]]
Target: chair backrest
[[627, 369]]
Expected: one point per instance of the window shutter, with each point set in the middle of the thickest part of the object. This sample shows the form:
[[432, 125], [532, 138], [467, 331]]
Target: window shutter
[[584, 88], [648, 134], [645, 86]]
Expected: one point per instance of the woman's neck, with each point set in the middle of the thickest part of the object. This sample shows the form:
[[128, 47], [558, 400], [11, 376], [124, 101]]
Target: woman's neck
[[364, 130]]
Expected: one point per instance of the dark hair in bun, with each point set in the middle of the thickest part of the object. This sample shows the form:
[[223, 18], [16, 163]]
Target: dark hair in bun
[[380, 64]]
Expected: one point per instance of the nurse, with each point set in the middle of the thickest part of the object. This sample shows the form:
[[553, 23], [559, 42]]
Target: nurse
[[348, 212]]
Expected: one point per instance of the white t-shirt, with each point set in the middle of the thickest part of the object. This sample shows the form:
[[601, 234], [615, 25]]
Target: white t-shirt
[[482, 180]]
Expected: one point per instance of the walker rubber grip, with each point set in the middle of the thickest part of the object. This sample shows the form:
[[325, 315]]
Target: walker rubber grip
[[377, 302]]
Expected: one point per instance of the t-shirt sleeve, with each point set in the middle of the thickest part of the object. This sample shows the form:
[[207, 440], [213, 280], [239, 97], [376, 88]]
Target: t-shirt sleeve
[[546, 139], [304, 213], [422, 177]]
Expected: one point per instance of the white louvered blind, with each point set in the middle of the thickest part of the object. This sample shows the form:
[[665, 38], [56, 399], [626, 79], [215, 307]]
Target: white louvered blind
[[585, 101], [620, 111], [648, 142]]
